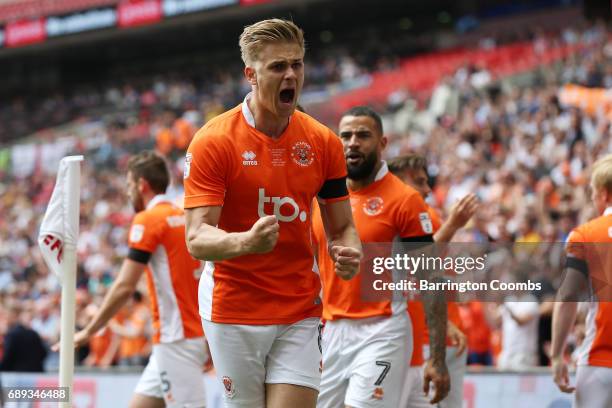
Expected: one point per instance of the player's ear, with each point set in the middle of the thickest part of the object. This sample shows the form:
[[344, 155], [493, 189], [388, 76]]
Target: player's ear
[[383, 141], [251, 75], [142, 184]]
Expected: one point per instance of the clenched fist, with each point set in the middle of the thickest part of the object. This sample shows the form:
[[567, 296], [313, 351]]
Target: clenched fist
[[263, 235], [346, 261]]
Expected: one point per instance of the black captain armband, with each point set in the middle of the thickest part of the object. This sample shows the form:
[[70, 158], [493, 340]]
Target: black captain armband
[[420, 238], [418, 242], [139, 256], [333, 188], [578, 264]]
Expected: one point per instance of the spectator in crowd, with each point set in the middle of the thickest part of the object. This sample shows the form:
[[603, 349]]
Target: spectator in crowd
[[518, 316], [24, 350], [478, 333]]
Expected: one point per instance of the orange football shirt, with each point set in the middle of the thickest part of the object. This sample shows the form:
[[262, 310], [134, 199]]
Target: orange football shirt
[[383, 211], [588, 249], [172, 274], [250, 175]]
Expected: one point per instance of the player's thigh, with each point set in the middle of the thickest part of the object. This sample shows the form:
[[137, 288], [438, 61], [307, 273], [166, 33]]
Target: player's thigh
[[239, 355], [336, 358], [412, 395], [180, 367], [149, 386], [377, 373], [144, 401], [289, 395], [593, 386], [294, 357]]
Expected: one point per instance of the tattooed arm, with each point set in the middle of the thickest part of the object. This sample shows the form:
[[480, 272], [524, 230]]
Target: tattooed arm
[[435, 369]]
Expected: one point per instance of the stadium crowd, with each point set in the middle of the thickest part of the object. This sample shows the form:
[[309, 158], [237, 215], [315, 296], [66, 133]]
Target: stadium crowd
[[524, 153]]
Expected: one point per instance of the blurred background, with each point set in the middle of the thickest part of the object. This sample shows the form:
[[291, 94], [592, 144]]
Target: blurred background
[[506, 99]]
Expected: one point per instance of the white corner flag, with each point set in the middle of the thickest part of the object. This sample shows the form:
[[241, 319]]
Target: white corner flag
[[57, 240]]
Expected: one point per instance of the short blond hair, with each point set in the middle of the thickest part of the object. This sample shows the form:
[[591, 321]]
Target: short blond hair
[[274, 30], [601, 176]]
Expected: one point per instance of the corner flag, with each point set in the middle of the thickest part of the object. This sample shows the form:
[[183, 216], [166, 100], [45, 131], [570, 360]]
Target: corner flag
[[60, 226], [57, 240]]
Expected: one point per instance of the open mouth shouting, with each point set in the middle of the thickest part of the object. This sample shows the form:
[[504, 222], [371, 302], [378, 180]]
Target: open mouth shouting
[[287, 96]]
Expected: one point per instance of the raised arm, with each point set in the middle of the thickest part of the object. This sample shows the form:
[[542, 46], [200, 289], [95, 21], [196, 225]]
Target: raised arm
[[459, 215]]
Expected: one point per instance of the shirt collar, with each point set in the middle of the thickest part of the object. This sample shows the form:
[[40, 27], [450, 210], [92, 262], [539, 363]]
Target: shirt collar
[[246, 111], [608, 211], [382, 172], [160, 198]]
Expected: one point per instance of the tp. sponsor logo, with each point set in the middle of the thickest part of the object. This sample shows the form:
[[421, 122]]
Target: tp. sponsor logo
[[249, 158], [290, 212]]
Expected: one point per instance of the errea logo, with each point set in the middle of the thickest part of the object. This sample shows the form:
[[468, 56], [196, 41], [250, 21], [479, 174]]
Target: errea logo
[[249, 158]]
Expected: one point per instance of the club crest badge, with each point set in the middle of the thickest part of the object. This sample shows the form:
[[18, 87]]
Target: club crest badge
[[302, 154], [230, 391], [373, 206]]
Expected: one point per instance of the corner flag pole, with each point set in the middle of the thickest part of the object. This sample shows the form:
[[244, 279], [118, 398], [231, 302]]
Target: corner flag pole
[[57, 240]]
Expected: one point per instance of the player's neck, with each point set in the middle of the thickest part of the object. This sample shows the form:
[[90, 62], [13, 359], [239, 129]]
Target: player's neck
[[147, 197], [356, 185], [265, 121]]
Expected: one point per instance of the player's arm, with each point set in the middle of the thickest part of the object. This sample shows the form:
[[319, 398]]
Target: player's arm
[[418, 239], [564, 316], [344, 243], [435, 369], [434, 304], [120, 291], [460, 214], [111, 351], [573, 288], [206, 242]]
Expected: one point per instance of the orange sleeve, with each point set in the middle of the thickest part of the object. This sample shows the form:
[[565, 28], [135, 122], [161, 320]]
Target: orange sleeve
[[413, 218], [574, 248], [436, 221], [205, 173], [335, 165], [144, 234]]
